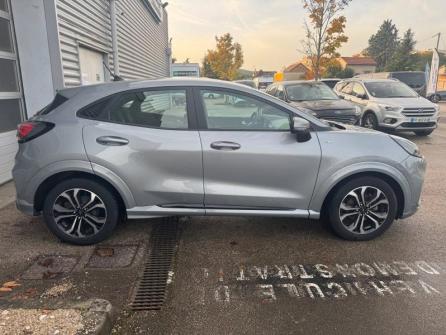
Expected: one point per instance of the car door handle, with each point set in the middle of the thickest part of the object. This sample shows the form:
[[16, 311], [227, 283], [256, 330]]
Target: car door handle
[[112, 140], [225, 145]]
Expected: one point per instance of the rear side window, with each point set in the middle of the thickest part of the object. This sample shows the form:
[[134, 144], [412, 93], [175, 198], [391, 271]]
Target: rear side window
[[57, 101], [97, 111], [156, 109]]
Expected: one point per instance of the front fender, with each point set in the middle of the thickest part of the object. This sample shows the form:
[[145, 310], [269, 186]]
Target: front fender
[[326, 183]]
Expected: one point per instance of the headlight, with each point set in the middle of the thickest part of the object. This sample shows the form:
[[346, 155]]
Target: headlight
[[408, 146], [390, 108]]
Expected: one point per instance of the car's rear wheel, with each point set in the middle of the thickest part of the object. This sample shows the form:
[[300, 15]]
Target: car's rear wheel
[[81, 211], [370, 121], [423, 132], [362, 209]]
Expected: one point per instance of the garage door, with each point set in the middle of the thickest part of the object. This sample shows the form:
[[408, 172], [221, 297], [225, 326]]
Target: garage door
[[92, 67], [11, 107]]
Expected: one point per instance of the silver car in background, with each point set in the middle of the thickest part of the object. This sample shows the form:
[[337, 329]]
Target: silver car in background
[[140, 149], [390, 104]]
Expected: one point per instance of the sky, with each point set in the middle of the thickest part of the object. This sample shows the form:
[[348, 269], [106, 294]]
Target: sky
[[271, 31]]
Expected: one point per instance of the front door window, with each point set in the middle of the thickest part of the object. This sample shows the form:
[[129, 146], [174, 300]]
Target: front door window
[[234, 111]]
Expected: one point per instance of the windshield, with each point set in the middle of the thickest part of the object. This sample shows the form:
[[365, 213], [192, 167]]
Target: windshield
[[249, 83], [413, 79], [310, 92], [390, 89]]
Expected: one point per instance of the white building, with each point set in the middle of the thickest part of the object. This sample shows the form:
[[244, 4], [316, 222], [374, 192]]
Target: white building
[[47, 45], [185, 70]]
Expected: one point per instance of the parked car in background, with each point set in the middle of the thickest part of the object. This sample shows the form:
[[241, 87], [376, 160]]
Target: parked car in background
[[414, 79], [390, 104], [318, 98], [103, 153], [438, 96], [330, 82], [246, 82]]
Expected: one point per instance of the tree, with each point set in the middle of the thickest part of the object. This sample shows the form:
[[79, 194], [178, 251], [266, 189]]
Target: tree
[[225, 61], [334, 70], [383, 44], [324, 32], [402, 59], [422, 57], [206, 69]]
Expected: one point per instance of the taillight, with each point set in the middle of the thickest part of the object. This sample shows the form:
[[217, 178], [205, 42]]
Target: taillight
[[29, 130]]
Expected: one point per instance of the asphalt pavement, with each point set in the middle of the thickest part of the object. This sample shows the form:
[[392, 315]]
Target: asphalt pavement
[[236, 275]]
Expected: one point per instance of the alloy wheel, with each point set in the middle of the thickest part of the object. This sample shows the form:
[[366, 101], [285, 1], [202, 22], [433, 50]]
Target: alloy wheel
[[79, 213], [369, 121], [364, 209]]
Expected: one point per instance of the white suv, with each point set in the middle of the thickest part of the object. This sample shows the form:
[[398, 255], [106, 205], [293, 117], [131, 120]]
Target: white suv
[[390, 104]]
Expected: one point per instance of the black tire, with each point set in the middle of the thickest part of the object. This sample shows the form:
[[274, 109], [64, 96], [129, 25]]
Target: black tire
[[369, 120], [423, 132], [340, 194], [110, 214], [435, 98]]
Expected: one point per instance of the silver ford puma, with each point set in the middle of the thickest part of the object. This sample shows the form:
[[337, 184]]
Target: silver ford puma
[[99, 154]]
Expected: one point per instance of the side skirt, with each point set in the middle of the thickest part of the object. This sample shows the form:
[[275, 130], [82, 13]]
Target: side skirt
[[146, 212]]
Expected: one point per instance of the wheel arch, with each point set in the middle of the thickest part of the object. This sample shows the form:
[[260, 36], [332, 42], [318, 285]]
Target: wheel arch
[[393, 183], [53, 180]]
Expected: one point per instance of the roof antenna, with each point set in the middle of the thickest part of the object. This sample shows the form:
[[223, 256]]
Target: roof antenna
[[115, 76]]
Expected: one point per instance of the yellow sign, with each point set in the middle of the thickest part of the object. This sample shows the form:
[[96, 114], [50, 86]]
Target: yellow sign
[[278, 76]]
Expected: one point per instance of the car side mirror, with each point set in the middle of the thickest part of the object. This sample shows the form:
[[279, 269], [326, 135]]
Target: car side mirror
[[363, 97], [301, 128]]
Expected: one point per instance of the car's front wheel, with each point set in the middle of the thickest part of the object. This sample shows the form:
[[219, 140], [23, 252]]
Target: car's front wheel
[[81, 211], [369, 120], [362, 208]]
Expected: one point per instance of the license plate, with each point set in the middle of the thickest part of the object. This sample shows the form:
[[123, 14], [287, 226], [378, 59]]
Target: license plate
[[420, 119]]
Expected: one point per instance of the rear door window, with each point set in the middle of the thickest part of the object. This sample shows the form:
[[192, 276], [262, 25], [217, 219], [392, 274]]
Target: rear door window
[[156, 109], [347, 89]]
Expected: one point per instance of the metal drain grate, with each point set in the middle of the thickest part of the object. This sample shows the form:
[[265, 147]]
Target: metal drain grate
[[151, 292]]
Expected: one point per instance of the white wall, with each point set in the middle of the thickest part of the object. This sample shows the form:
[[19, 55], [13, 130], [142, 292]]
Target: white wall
[[33, 51]]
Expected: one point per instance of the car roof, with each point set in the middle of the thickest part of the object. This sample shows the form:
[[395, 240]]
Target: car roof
[[367, 80], [298, 82], [125, 85]]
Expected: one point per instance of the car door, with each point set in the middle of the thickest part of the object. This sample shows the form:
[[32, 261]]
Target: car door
[[147, 138], [251, 160]]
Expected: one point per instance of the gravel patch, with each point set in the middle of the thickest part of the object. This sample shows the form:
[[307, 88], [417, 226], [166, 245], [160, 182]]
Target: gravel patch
[[58, 290], [39, 321]]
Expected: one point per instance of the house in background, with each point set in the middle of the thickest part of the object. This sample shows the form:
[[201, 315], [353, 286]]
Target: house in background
[[296, 71], [46, 45], [359, 64]]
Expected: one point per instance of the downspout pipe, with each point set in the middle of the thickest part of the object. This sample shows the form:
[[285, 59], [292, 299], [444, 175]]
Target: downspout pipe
[[114, 36]]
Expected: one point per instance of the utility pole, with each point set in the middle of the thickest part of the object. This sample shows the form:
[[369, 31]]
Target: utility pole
[[438, 40]]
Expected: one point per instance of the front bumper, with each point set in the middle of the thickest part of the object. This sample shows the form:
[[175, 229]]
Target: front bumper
[[25, 207], [347, 119], [416, 168], [404, 123]]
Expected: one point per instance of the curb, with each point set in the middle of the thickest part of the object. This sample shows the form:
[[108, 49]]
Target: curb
[[98, 315]]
